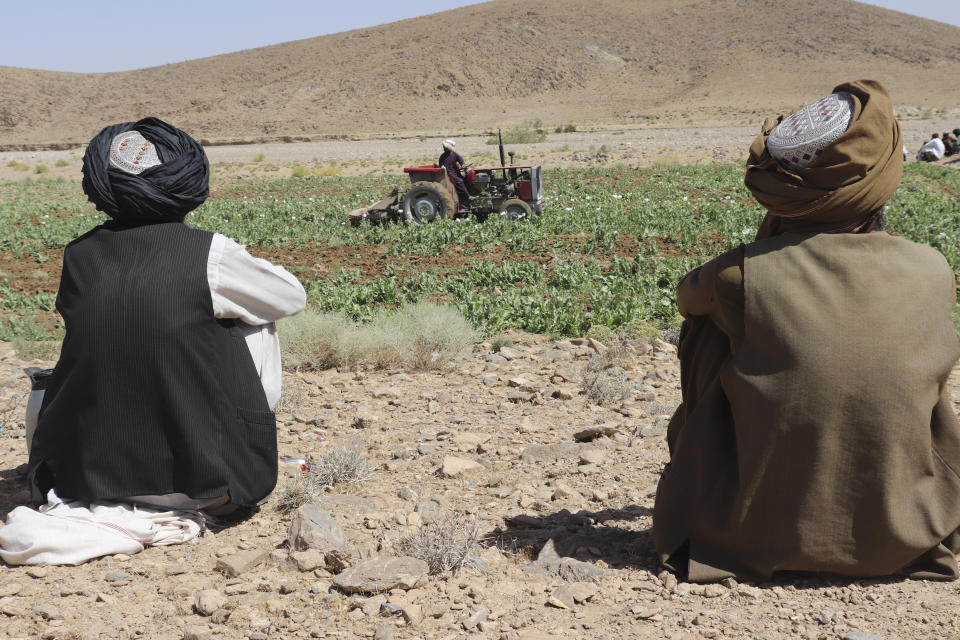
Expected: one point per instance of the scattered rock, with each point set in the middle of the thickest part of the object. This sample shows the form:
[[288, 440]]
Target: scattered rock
[[597, 346], [551, 452], [478, 616], [559, 603], [385, 632], [10, 606], [471, 439], [314, 528], [343, 504], [47, 611], [309, 560], [242, 562], [592, 433], [714, 591], [10, 589], [412, 614], [453, 467], [371, 606], [577, 592], [862, 635], [548, 562], [645, 613], [208, 601], [338, 560], [117, 576], [663, 347], [656, 430], [494, 357], [196, 632], [428, 510], [592, 456], [382, 574], [508, 353], [37, 572]]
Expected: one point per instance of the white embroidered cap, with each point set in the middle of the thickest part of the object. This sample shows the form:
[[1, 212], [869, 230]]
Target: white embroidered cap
[[449, 144], [131, 152], [798, 141]]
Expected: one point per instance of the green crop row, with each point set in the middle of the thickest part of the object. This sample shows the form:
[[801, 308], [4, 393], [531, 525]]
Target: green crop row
[[608, 250]]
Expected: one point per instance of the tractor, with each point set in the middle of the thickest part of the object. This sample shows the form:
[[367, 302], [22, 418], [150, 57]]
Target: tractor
[[512, 191]]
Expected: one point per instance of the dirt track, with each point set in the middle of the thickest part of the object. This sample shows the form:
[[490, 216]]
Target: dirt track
[[635, 147]]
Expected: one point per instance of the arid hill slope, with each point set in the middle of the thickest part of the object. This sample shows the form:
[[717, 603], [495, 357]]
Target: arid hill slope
[[622, 62]]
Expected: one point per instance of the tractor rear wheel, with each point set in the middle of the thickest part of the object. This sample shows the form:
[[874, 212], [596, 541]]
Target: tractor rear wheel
[[426, 202], [515, 209]]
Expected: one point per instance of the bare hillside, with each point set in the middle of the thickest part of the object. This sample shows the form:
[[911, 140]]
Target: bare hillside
[[613, 62]]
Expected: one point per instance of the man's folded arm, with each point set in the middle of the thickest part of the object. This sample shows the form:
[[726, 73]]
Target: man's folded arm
[[250, 289]]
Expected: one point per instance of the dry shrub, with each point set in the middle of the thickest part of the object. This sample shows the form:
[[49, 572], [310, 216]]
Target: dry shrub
[[293, 396], [421, 336], [340, 466], [36, 349], [604, 381], [445, 545]]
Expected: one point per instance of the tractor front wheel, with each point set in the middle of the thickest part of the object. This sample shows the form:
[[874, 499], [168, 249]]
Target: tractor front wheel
[[515, 209], [426, 202]]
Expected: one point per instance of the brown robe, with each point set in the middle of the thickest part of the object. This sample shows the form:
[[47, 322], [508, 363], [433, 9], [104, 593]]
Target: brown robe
[[816, 432]]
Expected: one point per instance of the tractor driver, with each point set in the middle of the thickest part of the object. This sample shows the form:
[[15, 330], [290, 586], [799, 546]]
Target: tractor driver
[[453, 162]]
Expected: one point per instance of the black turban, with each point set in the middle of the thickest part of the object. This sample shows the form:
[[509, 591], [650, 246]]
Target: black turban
[[164, 193]]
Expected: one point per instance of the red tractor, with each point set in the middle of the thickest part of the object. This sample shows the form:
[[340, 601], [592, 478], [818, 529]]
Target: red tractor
[[512, 191]]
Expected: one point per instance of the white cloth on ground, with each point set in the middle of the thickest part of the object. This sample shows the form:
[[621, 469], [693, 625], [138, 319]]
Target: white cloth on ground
[[74, 532]]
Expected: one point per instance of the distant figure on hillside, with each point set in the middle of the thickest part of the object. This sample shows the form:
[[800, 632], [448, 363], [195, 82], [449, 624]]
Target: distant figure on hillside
[[163, 392], [816, 431], [454, 164], [932, 150]]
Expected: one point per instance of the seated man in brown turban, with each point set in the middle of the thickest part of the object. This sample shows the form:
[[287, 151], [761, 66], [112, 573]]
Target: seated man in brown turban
[[816, 432]]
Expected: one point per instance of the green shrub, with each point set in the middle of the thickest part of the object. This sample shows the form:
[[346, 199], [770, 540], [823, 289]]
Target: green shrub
[[526, 133], [298, 171], [61, 163], [259, 157], [18, 166], [36, 349], [41, 168]]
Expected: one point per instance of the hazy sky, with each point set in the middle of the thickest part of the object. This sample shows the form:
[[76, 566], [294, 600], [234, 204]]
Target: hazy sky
[[102, 35]]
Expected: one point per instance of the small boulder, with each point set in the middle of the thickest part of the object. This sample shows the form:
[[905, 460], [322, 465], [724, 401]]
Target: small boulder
[[382, 574], [453, 467], [208, 601], [314, 528]]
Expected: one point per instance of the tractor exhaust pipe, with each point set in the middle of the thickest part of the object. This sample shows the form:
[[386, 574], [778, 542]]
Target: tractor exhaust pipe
[[503, 159]]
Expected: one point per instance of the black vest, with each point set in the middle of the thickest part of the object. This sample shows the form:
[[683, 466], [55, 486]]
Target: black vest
[[152, 394]]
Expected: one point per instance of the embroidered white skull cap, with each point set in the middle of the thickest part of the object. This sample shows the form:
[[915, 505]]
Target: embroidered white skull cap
[[798, 140], [131, 152]]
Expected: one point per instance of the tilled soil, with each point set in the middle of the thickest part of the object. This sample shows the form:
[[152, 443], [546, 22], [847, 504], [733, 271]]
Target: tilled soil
[[515, 413]]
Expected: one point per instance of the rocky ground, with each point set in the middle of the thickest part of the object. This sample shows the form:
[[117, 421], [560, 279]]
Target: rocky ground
[[561, 490]]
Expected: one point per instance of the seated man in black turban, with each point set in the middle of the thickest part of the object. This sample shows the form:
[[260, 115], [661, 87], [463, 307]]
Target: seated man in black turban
[[164, 389]]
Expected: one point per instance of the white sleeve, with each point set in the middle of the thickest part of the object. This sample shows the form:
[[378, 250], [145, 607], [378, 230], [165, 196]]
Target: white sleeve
[[250, 289]]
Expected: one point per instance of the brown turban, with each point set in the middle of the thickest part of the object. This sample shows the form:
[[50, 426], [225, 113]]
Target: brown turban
[[849, 182]]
